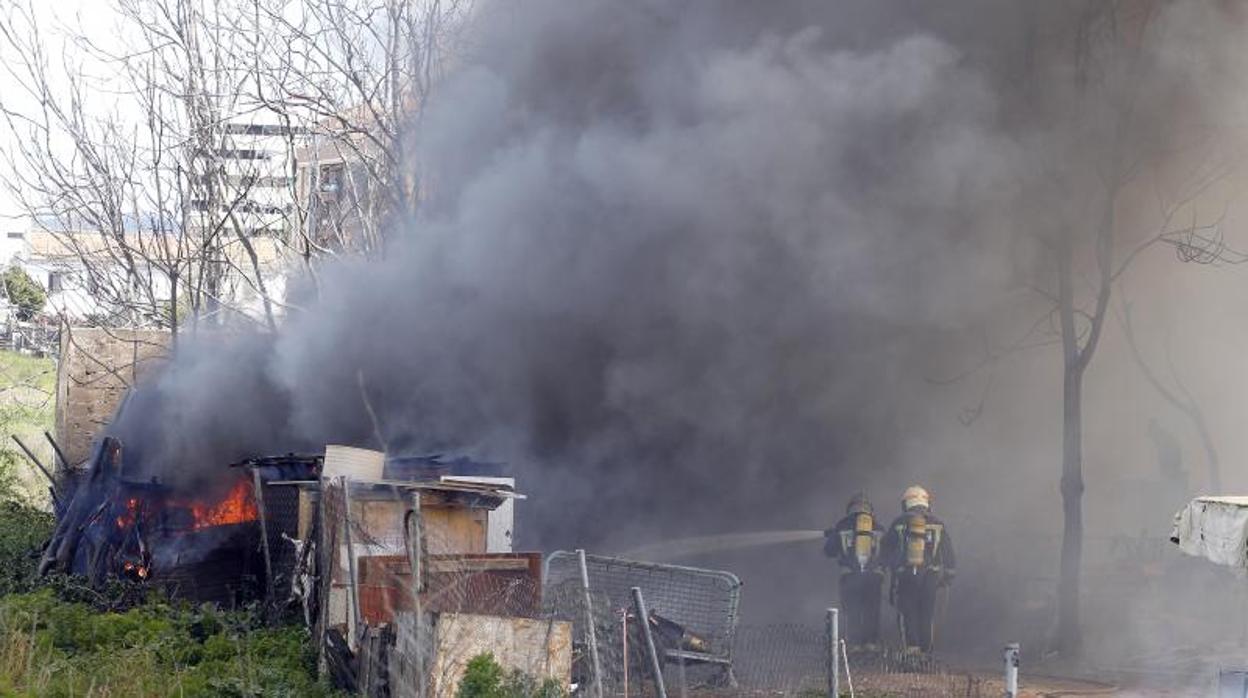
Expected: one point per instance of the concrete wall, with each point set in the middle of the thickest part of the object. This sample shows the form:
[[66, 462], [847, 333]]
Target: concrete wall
[[97, 366], [540, 648]]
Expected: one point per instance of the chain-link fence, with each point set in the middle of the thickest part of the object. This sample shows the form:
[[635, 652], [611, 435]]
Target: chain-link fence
[[692, 614]]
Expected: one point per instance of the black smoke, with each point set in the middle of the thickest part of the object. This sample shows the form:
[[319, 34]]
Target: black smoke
[[685, 267]]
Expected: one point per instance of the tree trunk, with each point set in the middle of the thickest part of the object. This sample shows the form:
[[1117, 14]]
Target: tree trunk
[[1068, 635], [1073, 364]]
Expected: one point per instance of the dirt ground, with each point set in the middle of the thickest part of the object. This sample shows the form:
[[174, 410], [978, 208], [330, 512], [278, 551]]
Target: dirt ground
[[974, 685]]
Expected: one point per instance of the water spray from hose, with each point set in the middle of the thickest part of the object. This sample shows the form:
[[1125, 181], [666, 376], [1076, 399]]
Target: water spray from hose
[[671, 550]]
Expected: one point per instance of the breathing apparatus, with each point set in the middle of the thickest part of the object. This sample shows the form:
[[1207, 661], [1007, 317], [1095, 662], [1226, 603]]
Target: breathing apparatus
[[864, 538], [916, 502]]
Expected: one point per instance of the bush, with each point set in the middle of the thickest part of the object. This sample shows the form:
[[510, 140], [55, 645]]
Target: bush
[[25, 295], [23, 532], [485, 678]]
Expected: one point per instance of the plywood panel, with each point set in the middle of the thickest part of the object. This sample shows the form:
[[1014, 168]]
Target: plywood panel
[[454, 530], [355, 463]]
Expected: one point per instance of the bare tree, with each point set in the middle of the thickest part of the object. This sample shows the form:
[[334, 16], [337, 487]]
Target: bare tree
[[1104, 144], [1123, 150], [158, 199], [143, 177], [356, 75]]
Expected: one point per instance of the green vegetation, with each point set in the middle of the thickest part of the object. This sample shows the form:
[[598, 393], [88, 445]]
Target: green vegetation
[[20, 371], [25, 295], [59, 637], [53, 647], [27, 385], [23, 530], [485, 678], [27, 389]]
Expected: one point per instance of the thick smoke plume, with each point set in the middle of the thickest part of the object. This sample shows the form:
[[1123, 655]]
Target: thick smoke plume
[[685, 267], [645, 254]]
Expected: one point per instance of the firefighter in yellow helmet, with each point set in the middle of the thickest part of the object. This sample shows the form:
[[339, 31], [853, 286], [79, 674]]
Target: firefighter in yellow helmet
[[919, 553], [854, 542]]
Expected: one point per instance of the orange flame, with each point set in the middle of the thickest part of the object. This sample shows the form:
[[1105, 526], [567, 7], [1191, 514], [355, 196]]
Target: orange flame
[[239, 506], [139, 571], [130, 515]]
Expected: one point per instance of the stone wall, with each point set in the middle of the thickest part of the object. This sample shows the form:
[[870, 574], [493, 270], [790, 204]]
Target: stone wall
[[96, 368]]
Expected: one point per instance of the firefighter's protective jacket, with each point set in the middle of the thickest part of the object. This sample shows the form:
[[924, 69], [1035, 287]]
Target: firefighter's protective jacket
[[841, 540], [900, 545]]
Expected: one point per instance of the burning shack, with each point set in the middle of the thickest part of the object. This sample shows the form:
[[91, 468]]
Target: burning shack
[[387, 559], [110, 525]]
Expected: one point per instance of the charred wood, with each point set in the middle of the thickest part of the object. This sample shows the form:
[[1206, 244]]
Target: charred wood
[[65, 465], [88, 502], [35, 459]]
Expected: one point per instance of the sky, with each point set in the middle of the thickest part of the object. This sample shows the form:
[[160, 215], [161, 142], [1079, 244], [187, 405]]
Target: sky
[[54, 18]]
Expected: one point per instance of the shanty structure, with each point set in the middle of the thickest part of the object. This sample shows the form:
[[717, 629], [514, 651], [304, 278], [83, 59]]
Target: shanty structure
[[401, 566], [405, 571]]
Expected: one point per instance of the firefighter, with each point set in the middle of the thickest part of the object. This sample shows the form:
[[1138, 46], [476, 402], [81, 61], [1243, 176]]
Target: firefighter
[[854, 542], [919, 553]]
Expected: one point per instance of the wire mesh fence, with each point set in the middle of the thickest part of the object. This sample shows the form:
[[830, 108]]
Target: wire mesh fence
[[788, 658], [692, 614], [771, 659], [776, 659]]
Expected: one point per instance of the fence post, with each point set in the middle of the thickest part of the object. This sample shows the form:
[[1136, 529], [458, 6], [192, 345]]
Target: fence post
[[656, 667], [624, 635], [591, 634], [258, 493], [1011, 670], [849, 676], [413, 529], [833, 641], [351, 569]]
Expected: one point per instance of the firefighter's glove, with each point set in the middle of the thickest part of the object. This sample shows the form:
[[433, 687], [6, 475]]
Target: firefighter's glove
[[947, 578]]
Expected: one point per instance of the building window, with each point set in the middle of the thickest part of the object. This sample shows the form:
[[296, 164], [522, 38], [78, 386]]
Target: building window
[[242, 154], [56, 281], [16, 236], [263, 130], [331, 179]]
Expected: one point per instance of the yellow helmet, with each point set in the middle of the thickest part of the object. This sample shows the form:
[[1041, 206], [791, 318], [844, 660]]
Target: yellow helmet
[[916, 496]]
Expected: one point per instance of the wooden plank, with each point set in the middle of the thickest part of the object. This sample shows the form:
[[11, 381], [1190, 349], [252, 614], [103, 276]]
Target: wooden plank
[[454, 530]]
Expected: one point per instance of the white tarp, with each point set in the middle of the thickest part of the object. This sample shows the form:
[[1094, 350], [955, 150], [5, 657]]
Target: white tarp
[[1215, 528]]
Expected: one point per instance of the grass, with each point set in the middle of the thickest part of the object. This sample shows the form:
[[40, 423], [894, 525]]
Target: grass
[[27, 409], [32, 371]]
